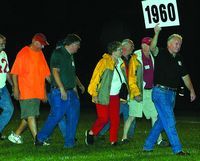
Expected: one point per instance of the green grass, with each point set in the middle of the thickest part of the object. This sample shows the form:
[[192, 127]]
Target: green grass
[[188, 129]]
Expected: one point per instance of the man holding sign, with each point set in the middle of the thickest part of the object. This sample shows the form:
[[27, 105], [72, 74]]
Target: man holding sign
[[168, 69]]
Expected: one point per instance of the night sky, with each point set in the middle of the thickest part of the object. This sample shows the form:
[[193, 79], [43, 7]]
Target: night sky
[[97, 23]]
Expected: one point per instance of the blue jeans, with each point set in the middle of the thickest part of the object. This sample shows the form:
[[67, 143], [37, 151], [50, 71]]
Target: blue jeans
[[6, 106], [70, 109], [164, 101], [62, 122], [124, 110]]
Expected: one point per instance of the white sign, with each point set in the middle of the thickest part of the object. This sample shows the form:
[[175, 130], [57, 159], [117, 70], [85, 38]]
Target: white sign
[[163, 12]]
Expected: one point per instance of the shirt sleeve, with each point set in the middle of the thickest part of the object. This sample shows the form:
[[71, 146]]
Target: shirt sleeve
[[17, 67], [96, 76], [183, 70], [55, 60]]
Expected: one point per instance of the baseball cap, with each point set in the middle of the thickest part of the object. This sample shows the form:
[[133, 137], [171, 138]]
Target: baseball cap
[[146, 40], [41, 38]]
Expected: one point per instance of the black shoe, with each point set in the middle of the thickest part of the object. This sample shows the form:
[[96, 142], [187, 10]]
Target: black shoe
[[125, 141], [182, 153], [114, 144], [164, 143], [38, 143], [89, 139], [2, 137]]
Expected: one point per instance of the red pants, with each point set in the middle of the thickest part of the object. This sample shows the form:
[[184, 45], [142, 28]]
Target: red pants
[[106, 113]]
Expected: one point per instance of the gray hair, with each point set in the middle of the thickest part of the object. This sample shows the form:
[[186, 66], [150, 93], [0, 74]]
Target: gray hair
[[174, 36], [127, 41]]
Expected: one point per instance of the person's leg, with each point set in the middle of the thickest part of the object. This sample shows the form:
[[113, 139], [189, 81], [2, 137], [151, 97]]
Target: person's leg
[[7, 108], [32, 125], [62, 126], [26, 107], [124, 110], [72, 117], [102, 119], [127, 126], [153, 135], [57, 112], [160, 141], [22, 126], [62, 122], [149, 109], [15, 137], [114, 107], [135, 110], [169, 123], [153, 120], [164, 101], [32, 109], [105, 129]]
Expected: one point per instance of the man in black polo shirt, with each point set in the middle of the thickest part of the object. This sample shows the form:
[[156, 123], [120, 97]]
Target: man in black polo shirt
[[167, 72]]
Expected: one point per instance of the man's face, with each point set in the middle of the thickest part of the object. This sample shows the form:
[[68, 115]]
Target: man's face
[[174, 45], [145, 48], [127, 49], [37, 45], [75, 46]]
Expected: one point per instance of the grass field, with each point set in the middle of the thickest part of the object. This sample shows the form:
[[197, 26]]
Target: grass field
[[188, 126]]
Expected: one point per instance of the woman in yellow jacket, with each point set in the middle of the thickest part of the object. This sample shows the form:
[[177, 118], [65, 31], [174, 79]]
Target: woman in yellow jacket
[[104, 87]]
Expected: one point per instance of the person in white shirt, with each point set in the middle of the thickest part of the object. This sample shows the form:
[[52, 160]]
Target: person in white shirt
[[6, 105]]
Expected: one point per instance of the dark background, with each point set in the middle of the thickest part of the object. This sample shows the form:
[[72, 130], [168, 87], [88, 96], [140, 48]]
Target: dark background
[[97, 23]]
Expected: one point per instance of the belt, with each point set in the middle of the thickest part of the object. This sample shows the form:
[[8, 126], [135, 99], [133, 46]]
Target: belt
[[166, 88], [55, 87], [147, 88]]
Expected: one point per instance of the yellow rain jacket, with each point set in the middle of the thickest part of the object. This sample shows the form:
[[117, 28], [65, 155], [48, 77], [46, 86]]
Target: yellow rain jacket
[[100, 82]]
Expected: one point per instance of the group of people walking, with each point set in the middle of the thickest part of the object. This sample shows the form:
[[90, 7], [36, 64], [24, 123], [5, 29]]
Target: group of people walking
[[150, 74]]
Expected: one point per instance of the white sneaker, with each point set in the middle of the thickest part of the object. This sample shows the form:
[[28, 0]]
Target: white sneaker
[[15, 138], [46, 143]]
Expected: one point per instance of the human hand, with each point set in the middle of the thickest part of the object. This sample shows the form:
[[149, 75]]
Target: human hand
[[63, 94], [45, 99], [82, 88], [192, 96], [123, 101], [76, 91], [16, 93], [157, 28], [138, 98], [95, 99]]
